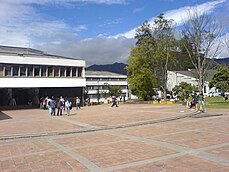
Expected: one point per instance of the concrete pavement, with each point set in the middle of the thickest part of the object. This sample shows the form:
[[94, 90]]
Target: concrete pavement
[[132, 137]]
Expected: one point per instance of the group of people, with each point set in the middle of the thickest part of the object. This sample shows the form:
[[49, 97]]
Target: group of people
[[60, 104], [198, 100]]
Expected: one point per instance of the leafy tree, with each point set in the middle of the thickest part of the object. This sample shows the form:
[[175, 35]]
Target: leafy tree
[[149, 60], [183, 90], [140, 64], [200, 35], [115, 90], [164, 48], [220, 79]]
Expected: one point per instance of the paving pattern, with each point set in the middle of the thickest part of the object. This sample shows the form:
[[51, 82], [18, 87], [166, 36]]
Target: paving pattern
[[187, 144]]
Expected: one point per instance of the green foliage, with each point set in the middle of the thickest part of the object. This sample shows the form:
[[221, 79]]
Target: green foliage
[[140, 75], [183, 90], [142, 84], [140, 64], [165, 45], [149, 59], [115, 90], [220, 79]]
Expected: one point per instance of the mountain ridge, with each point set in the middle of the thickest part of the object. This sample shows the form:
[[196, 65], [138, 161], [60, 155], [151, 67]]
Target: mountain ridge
[[120, 67]]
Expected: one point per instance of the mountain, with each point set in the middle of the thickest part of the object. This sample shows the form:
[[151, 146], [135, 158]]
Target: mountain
[[223, 61], [116, 68], [120, 67]]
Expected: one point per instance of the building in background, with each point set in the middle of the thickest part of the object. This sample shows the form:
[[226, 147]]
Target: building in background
[[97, 85], [176, 77], [27, 74]]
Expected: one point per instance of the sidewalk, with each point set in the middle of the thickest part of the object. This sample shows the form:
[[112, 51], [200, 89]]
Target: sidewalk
[[37, 121], [127, 138]]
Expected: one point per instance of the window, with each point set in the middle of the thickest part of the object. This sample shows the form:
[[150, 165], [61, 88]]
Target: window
[[36, 70], [62, 71], [56, 71], [68, 71], [80, 72], [1, 70], [43, 71], [23, 70], [29, 70], [50, 71], [7, 70], [15, 70], [73, 72]]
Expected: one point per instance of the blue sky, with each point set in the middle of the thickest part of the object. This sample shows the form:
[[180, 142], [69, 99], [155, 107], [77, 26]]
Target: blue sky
[[99, 31]]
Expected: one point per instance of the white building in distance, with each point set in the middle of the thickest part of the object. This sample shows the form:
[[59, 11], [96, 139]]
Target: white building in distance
[[97, 85], [176, 77]]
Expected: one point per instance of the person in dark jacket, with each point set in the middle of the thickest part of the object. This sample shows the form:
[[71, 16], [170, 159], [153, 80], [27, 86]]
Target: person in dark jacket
[[60, 106]]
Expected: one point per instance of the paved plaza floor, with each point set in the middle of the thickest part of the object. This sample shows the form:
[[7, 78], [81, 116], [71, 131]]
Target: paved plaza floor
[[129, 138]]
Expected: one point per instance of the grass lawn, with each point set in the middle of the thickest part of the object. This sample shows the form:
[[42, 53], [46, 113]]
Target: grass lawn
[[216, 102]]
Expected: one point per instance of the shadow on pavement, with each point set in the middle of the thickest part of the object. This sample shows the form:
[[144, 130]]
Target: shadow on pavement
[[4, 116]]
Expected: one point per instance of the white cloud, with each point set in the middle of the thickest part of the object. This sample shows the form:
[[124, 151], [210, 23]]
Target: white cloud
[[21, 25], [137, 10], [179, 15], [99, 50]]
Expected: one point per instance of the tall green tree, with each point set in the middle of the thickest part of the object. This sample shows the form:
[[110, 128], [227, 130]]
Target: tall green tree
[[140, 64], [220, 79], [201, 33], [165, 46]]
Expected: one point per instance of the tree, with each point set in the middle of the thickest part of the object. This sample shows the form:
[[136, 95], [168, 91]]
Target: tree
[[201, 33], [140, 64], [183, 90], [220, 79], [115, 90], [164, 48]]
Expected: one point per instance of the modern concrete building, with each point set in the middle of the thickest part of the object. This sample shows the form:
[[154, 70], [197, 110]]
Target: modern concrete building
[[27, 74], [97, 85]]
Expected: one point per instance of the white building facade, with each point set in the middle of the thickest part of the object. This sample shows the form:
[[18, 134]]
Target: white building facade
[[28, 74], [176, 77], [97, 85]]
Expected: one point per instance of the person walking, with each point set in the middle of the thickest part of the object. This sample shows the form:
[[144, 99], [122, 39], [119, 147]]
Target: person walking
[[60, 106], [68, 105], [114, 101], [52, 104], [77, 103], [200, 98], [48, 100]]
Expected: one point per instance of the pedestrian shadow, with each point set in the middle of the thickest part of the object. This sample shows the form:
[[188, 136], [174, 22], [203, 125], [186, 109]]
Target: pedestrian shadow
[[4, 116]]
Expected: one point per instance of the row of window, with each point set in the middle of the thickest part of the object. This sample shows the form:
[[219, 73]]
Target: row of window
[[105, 79], [103, 87], [12, 70]]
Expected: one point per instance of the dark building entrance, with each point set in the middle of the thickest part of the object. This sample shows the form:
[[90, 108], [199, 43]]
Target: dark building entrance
[[31, 96]]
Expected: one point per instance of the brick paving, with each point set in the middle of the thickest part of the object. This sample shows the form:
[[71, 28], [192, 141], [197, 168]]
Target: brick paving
[[184, 145]]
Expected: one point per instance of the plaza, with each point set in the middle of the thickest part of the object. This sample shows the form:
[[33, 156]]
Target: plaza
[[132, 137]]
